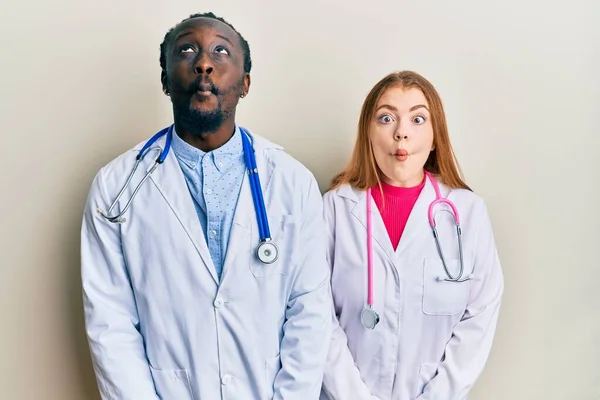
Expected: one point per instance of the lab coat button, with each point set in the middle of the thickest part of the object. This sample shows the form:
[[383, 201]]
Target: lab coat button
[[218, 303], [226, 379]]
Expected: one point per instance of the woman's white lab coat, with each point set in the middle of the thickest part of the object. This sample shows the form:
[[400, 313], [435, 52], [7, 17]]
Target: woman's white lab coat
[[434, 337], [160, 327]]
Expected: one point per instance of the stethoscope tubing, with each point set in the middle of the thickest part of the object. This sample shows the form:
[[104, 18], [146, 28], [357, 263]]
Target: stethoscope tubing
[[431, 218], [251, 166]]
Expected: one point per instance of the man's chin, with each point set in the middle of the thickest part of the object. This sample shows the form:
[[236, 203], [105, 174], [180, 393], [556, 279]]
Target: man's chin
[[199, 120], [203, 110]]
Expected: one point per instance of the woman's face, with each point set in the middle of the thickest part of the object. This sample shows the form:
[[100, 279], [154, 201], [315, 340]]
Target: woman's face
[[401, 135]]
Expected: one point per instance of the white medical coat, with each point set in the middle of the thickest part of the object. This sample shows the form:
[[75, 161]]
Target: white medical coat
[[434, 337], [158, 324]]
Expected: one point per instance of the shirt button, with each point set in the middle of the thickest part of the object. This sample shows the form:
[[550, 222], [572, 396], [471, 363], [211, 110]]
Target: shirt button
[[192, 164], [213, 232], [220, 164], [226, 379], [208, 191]]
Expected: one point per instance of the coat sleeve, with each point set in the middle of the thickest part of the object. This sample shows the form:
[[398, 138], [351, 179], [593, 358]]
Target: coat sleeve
[[468, 349], [306, 330], [112, 323], [342, 378]]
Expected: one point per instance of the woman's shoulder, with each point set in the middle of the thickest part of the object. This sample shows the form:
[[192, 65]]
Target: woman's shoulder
[[342, 191], [341, 196], [468, 202]]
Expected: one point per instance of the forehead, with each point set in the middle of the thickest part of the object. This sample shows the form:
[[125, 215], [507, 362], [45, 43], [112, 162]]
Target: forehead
[[207, 28], [403, 98]]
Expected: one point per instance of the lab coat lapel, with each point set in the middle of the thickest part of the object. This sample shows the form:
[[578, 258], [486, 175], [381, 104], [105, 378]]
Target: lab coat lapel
[[417, 225], [380, 235], [244, 219], [171, 183]]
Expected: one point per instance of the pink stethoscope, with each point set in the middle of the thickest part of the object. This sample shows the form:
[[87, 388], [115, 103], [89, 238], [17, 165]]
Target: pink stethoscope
[[369, 316]]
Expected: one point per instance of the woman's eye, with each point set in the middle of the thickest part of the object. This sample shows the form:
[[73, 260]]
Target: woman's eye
[[386, 119], [419, 119], [222, 50]]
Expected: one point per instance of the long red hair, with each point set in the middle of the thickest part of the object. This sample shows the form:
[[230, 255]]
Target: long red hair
[[362, 172]]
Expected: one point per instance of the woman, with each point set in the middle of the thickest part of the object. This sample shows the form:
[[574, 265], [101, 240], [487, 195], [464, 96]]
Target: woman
[[425, 329]]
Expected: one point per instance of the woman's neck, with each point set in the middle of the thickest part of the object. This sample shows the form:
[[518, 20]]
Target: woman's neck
[[405, 182]]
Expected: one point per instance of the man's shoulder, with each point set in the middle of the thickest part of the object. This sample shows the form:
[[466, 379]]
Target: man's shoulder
[[112, 172], [126, 159]]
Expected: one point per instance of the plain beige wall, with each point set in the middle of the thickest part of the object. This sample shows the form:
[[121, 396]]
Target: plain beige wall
[[80, 84]]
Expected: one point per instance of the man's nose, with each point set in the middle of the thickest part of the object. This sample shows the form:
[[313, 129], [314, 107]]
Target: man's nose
[[204, 65]]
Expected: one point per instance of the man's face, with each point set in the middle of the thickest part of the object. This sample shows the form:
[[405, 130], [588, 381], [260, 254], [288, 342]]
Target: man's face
[[204, 74]]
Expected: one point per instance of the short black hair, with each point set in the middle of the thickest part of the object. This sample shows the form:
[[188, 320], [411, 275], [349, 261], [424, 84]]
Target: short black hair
[[167, 39]]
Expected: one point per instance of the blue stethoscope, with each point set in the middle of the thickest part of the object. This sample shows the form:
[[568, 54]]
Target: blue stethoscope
[[267, 252]]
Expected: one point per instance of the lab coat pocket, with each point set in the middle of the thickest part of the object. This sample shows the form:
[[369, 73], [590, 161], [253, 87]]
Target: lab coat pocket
[[272, 368], [439, 296], [283, 235], [172, 384], [426, 374]]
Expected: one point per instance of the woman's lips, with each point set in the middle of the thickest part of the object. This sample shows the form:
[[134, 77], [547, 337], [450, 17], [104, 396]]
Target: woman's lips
[[401, 155]]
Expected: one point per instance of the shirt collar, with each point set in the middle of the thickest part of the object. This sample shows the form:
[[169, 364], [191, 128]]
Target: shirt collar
[[221, 156]]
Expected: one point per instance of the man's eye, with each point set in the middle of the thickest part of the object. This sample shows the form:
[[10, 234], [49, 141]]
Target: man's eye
[[186, 49], [222, 50]]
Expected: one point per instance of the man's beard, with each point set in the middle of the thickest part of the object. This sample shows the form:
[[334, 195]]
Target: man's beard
[[198, 123]]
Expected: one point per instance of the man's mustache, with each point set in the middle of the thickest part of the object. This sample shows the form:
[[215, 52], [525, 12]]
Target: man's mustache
[[203, 85]]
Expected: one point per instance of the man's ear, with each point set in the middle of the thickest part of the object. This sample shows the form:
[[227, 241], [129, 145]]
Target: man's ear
[[163, 80], [247, 81]]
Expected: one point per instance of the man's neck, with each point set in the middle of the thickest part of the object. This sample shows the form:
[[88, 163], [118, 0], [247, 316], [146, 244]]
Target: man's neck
[[209, 141]]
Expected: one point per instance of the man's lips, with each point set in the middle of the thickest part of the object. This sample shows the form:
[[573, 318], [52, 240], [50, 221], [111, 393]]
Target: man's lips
[[204, 92], [206, 88]]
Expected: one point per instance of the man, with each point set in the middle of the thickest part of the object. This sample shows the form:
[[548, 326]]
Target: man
[[177, 304]]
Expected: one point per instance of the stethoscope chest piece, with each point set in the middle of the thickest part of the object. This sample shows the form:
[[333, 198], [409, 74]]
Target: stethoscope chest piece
[[267, 252], [369, 318]]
